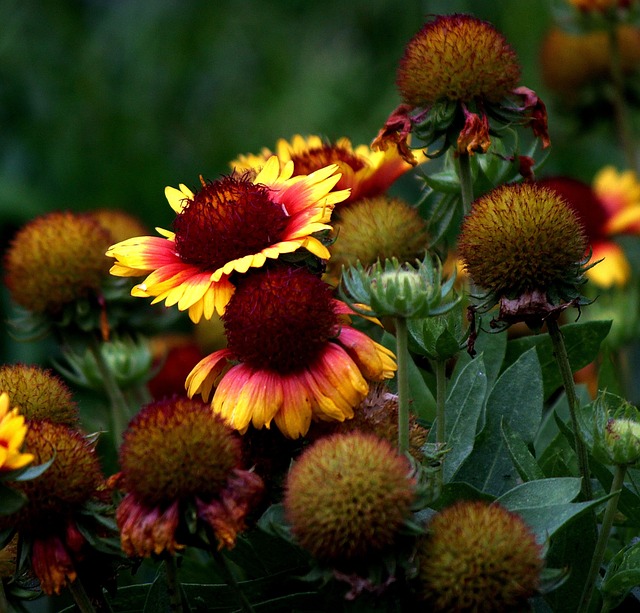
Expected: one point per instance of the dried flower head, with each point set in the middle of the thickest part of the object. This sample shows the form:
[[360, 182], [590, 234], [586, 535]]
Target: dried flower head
[[480, 558], [520, 238], [39, 393], [179, 457], [348, 496], [458, 58], [56, 259], [376, 228]]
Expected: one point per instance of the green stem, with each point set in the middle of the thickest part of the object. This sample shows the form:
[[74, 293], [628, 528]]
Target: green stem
[[119, 406], [441, 388], [562, 359], [620, 110], [81, 597], [402, 354], [173, 584], [466, 180], [603, 538], [231, 579]]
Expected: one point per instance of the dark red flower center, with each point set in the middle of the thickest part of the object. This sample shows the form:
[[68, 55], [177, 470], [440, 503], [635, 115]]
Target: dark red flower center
[[227, 219], [306, 162], [279, 319]]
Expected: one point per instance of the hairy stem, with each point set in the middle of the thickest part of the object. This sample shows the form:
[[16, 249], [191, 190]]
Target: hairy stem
[[402, 354], [466, 180]]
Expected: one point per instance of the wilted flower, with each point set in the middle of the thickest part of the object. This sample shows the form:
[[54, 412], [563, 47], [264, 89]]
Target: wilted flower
[[178, 455], [48, 521], [365, 172], [293, 355], [458, 73], [230, 225], [478, 557], [348, 496]]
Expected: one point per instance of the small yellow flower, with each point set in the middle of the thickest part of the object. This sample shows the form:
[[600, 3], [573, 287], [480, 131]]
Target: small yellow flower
[[12, 433]]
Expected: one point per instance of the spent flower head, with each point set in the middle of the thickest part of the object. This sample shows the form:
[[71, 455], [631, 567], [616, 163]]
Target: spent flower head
[[56, 259], [374, 229], [478, 557], [348, 496], [396, 289], [180, 471], [458, 73], [524, 245], [39, 393]]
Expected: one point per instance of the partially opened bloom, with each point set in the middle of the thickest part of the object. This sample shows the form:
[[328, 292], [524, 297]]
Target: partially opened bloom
[[365, 172], [609, 207], [229, 226], [291, 353], [178, 456], [12, 433]]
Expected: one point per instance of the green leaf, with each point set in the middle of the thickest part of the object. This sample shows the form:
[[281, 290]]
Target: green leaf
[[516, 397], [10, 500], [541, 493], [623, 574], [522, 459], [462, 411], [582, 341]]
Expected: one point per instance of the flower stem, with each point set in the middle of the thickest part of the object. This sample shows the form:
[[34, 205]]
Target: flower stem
[[466, 180], [603, 538], [119, 406], [441, 386], [402, 354], [231, 579], [562, 359], [620, 110], [173, 585], [81, 597]]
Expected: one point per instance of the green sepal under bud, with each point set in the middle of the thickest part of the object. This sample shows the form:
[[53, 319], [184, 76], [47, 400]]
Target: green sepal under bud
[[440, 337], [616, 430], [393, 289], [128, 360]]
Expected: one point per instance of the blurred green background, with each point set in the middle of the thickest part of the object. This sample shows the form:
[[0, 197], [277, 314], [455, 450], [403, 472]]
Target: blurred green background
[[105, 102]]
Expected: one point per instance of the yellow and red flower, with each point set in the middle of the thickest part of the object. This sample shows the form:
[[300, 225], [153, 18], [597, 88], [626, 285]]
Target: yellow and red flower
[[12, 433], [291, 356], [366, 172], [611, 206], [230, 225]]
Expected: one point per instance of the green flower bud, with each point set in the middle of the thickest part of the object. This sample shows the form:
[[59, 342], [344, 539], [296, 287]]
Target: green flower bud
[[616, 430], [399, 290], [622, 439]]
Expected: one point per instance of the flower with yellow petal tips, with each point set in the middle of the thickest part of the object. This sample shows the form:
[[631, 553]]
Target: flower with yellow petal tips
[[291, 357], [366, 172], [229, 226], [12, 433]]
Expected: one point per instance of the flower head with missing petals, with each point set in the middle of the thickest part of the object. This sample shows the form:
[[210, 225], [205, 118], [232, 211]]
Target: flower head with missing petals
[[230, 226], [294, 357]]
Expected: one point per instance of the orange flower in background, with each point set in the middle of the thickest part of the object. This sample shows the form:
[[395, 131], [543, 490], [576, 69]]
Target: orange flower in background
[[230, 225], [366, 172], [291, 356], [600, 5], [610, 207]]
